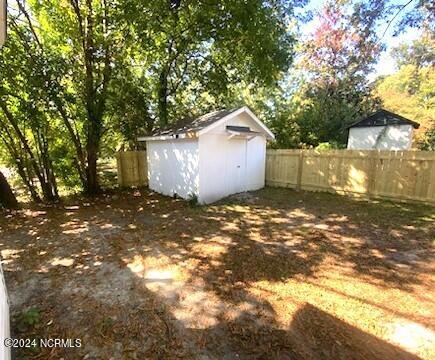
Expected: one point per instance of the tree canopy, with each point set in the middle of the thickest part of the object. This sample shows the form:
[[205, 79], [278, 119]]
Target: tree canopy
[[81, 78], [410, 91], [77, 73]]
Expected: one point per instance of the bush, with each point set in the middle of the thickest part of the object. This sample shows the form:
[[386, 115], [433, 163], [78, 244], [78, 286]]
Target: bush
[[332, 145], [193, 200], [428, 141]]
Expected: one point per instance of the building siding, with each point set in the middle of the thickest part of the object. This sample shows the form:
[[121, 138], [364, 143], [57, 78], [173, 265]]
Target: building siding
[[392, 137], [173, 167], [228, 166]]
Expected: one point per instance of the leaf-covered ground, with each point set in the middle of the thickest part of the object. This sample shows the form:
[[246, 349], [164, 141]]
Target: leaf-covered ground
[[270, 274]]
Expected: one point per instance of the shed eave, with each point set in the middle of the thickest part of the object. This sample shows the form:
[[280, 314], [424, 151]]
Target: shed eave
[[401, 120], [244, 109], [180, 136]]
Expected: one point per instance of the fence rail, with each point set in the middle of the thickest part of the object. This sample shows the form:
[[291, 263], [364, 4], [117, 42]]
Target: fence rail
[[403, 175], [132, 168]]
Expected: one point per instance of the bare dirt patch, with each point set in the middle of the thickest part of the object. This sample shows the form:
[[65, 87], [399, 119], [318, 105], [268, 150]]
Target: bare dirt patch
[[271, 274]]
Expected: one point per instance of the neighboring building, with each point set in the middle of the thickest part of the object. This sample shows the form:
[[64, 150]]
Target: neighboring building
[[382, 130], [213, 156]]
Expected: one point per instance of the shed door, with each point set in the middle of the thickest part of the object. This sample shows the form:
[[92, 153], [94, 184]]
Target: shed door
[[236, 166]]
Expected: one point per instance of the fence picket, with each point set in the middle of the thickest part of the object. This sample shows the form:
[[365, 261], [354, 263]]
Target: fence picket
[[132, 168], [403, 175]]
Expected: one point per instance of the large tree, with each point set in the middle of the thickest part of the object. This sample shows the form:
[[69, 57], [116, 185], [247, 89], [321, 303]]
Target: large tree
[[85, 73], [195, 52], [336, 60], [410, 91], [24, 126], [84, 35], [65, 65]]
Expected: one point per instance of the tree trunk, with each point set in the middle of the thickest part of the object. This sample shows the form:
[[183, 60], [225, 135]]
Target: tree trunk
[[46, 187], [92, 186], [163, 99], [27, 149], [19, 163], [28, 182], [92, 148], [7, 197]]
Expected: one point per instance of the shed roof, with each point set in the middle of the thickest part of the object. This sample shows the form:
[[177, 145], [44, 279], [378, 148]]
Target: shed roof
[[194, 124], [201, 124], [382, 118]]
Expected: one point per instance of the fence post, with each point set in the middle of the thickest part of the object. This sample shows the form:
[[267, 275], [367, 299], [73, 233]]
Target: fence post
[[136, 161], [119, 165], [403, 175], [300, 164], [372, 172]]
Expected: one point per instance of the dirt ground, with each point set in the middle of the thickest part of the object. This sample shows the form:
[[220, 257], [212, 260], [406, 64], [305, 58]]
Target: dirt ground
[[273, 274]]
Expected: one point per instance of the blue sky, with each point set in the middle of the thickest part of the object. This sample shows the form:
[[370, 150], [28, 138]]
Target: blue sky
[[386, 64]]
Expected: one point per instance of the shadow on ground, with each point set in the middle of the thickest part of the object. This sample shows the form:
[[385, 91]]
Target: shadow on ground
[[270, 274]]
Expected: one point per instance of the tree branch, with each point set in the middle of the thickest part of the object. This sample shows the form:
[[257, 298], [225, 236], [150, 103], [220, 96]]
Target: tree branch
[[393, 18]]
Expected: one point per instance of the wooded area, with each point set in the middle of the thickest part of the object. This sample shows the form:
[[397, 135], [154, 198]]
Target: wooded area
[[402, 175], [82, 79]]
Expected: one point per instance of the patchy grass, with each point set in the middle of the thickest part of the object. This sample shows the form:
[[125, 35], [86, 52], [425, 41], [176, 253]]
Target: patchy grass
[[271, 274]]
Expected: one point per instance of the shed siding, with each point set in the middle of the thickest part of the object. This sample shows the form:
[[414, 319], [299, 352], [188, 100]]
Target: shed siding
[[216, 179], [256, 162], [220, 158], [395, 137], [212, 167], [173, 167]]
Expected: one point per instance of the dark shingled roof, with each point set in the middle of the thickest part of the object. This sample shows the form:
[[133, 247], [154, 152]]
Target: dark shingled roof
[[195, 124], [382, 118]]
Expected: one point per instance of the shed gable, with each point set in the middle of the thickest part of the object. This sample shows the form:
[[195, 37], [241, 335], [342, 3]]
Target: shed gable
[[383, 118], [210, 122]]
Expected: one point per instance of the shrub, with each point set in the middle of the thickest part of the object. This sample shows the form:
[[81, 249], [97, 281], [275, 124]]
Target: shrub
[[193, 200]]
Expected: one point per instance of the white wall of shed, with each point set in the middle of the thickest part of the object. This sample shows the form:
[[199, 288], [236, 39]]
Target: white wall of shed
[[5, 352], [256, 163], [396, 137], [173, 167], [220, 158]]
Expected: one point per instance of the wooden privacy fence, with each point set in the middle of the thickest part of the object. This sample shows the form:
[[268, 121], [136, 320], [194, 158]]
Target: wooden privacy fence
[[132, 168], [404, 175]]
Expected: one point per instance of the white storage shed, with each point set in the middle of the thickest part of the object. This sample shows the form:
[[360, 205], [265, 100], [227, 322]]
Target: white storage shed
[[213, 156], [382, 130]]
